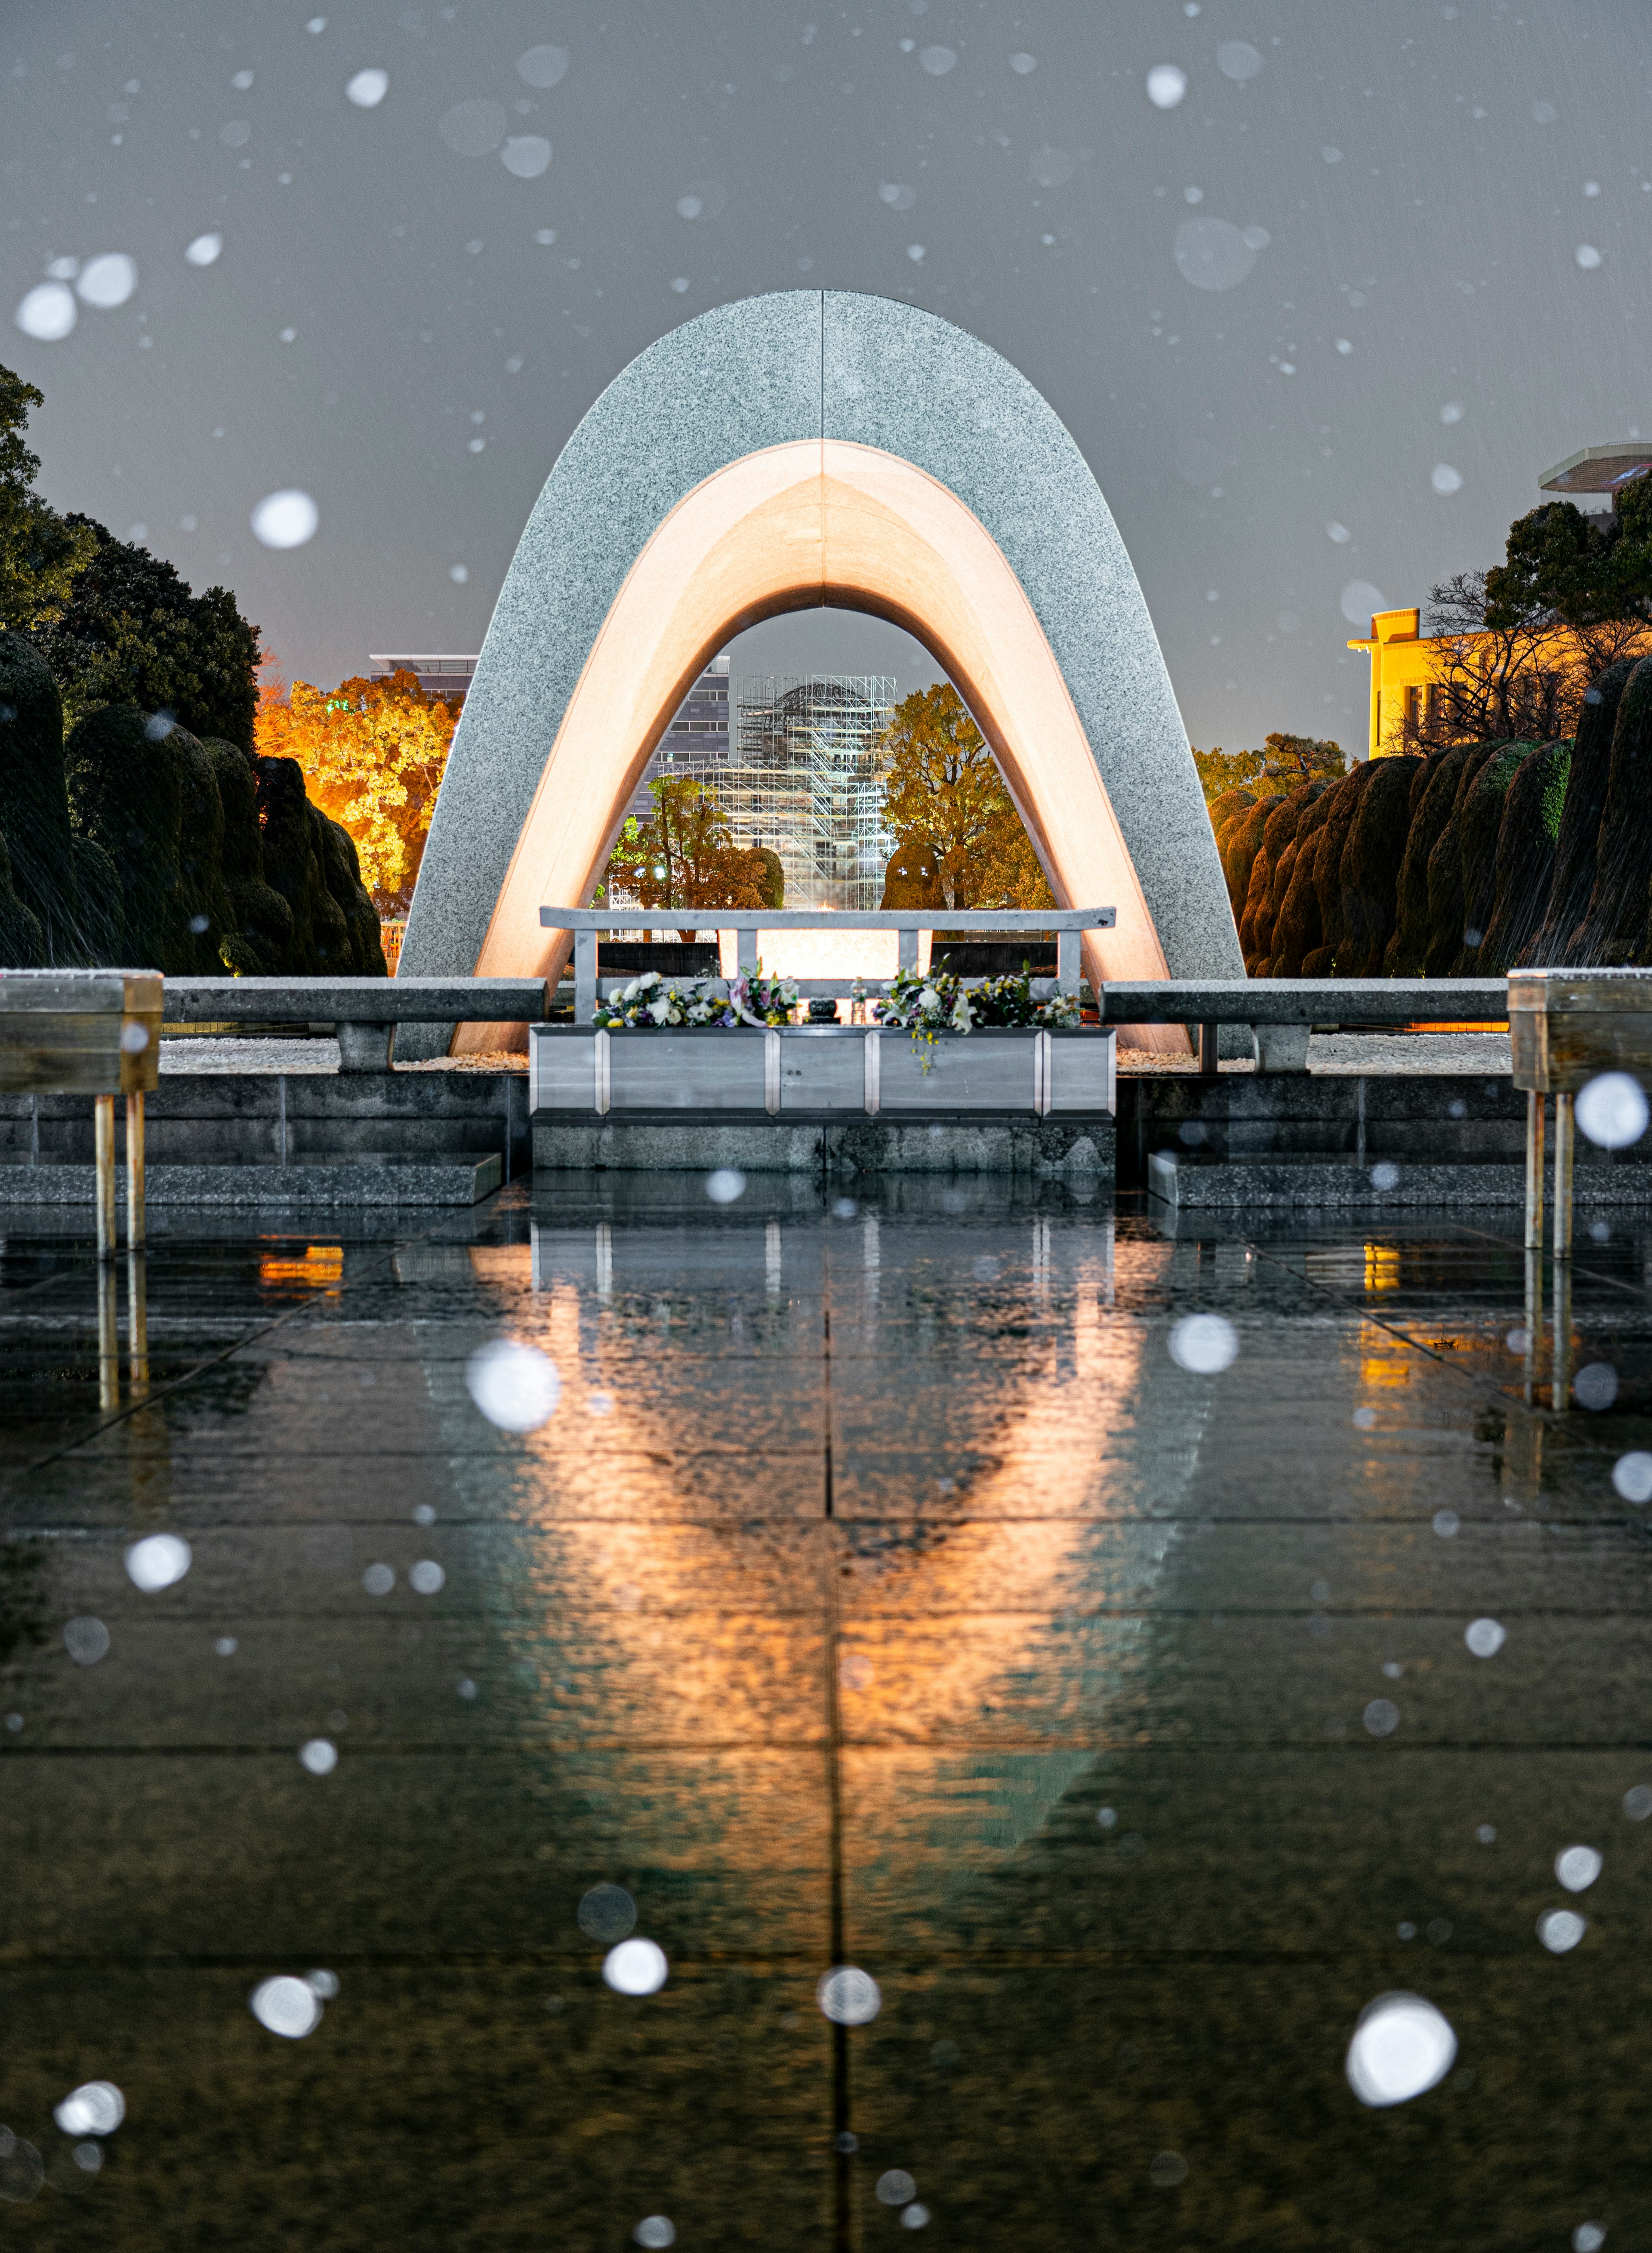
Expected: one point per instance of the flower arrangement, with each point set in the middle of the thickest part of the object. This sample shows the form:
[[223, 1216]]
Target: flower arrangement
[[926, 1006], [929, 1006], [762, 1001], [648, 1001]]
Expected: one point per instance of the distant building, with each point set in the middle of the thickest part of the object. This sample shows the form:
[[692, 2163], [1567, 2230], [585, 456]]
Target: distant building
[[441, 676], [803, 779], [697, 740], [1409, 667]]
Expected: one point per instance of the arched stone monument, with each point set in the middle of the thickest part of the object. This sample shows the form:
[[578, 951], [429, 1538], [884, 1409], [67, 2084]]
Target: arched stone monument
[[782, 453]]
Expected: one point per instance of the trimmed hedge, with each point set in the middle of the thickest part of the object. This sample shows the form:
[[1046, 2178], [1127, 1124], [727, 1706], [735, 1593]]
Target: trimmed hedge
[[258, 935], [126, 793], [1525, 856], [34, 808], [146, 847], [1577, 846], [1478, 827], [1296, 921], [1614, 928], [1371, 865]]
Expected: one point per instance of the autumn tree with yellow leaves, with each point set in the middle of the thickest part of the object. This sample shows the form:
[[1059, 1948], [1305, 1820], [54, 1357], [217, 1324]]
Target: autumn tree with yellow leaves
[[942, 788], [684, 856], [373, 753]]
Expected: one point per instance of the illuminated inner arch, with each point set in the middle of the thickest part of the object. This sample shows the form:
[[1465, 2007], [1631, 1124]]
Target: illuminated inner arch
[[806, 448], [796, 526]]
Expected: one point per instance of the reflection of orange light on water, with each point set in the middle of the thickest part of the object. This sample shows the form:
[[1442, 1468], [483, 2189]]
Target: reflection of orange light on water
[[322, 1263], [1384, 1360], [1382, 1268], [944, 1616]]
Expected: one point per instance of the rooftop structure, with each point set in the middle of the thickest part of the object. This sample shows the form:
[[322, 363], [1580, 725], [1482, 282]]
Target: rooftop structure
[[441, 676], [1599, 469]]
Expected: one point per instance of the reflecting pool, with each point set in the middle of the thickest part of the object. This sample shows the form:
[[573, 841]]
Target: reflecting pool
[[631, 1718]]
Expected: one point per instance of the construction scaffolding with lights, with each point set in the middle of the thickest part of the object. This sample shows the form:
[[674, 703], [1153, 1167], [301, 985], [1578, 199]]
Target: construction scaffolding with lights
[[804, 777]]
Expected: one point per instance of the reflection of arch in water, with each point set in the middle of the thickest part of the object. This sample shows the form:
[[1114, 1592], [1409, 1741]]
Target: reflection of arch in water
[[818, 449], [952, 1615]]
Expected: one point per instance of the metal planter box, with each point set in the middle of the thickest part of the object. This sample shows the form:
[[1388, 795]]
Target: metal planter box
[[835, 1070]]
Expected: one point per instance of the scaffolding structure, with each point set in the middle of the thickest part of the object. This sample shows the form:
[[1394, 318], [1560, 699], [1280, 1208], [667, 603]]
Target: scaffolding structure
[[803, 779]]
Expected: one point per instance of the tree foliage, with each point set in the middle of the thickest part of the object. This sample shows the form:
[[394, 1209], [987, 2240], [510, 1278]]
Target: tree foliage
[[132, 632], [1562, 567], [41, 555], [373, 754], [1283, 762], [943, 790], [684, 856]]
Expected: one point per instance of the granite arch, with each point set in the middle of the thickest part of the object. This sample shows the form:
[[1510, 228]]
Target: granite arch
[[819, 448]]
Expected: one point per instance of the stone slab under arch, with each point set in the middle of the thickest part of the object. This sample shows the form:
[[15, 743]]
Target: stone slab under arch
[[741, 466]]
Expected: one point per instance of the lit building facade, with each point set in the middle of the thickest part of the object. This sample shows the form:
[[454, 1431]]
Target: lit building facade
[[803, 778]]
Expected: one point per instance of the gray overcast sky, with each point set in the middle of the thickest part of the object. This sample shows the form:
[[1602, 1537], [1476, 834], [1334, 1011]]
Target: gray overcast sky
[[1450, 242]]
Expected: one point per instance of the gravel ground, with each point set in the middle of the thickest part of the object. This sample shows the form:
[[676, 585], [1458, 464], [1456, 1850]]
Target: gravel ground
[[1371, 1053], [252, 1056]]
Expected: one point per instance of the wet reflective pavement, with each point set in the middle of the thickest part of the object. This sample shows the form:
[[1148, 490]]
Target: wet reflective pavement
[[883, 1590]]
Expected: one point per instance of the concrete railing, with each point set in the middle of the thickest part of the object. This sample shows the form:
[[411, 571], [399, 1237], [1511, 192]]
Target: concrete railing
[[363, 1012], [1068, 924], [1283, 1011]]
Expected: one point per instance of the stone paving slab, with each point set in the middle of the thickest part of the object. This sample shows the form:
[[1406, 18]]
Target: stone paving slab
[[829, 1613]]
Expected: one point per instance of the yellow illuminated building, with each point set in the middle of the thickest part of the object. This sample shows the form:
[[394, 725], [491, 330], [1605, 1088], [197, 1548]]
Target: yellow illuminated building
[[1407, 667]]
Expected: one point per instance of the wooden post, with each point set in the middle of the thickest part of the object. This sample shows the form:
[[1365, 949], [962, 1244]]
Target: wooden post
[[109, 1336], [103, 1145], [1560, 1366], [1563, 1147], [1534, 1171], [137, 1323], [135, 1172], [1534, 1320]]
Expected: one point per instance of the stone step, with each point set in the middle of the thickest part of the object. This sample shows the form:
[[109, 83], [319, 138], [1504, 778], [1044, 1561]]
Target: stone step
[[392, 1177]]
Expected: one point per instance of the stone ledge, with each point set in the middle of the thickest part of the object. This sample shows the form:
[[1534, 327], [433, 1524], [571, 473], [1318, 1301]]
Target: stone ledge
[[371, 1180]]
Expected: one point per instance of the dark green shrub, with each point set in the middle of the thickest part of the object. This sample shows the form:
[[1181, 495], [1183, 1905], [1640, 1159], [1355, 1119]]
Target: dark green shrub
[[125, 794], [913, 877], [290, 866], [34, 803], [1341, 804], [337, 849], [1525, 856], [1244, 842], [100, 923], [203, 910], [1370, 867], [1296, 920], [1613, 930], [257, 937], [774, 891], [1226, 813], [22, 940], [1434, 794], [1577, 846], [1271, 873], [1283, 845], [133, 632], [1445, 870], [1480, 826], [335, 951]]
